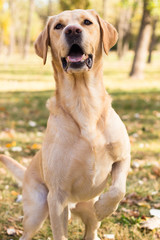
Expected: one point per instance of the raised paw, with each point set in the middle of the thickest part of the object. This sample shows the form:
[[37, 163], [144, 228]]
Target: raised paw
[[108, 202], [104, 208]]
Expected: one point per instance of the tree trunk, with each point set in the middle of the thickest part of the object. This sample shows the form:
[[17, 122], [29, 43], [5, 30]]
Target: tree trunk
[[142, 43], [123, 30], [12, 27], [104, 10], [28, 29], [153, 40]]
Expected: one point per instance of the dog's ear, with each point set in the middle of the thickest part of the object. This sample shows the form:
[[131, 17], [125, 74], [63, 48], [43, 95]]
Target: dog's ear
[[109, 34], [42, 42]]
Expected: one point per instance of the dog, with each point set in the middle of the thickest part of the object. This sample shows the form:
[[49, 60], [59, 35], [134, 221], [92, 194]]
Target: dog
[[85, 139]]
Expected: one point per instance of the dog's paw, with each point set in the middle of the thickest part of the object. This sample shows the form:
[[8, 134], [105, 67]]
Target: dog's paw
[[104, 208], [108, 202]]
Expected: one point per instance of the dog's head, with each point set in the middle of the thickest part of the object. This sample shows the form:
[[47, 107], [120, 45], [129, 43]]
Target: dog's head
[[75, 38]]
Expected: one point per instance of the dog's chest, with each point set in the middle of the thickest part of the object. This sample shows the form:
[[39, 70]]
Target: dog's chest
[[79, 164], [90, 175], [78, 160]]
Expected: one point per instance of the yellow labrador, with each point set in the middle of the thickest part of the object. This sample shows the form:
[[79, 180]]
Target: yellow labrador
[[85, 139]]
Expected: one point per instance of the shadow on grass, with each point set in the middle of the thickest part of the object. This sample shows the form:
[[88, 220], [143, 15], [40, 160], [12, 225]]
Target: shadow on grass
[[24, 106], [32, 105]]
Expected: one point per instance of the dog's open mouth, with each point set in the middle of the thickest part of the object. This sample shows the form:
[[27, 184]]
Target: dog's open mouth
[[77, 58]]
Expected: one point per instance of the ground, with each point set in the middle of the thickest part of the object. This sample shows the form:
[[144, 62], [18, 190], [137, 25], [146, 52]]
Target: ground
[[24, 88]]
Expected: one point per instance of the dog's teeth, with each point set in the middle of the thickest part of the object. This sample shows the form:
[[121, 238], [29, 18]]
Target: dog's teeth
[[84, 57], [76, 58], [67, 59]]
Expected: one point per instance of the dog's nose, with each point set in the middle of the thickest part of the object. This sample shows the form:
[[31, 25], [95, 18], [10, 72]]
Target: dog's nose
[[72, 31]]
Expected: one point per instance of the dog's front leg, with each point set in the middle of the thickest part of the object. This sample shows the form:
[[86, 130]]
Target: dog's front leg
[[108, 202], [58, 212]]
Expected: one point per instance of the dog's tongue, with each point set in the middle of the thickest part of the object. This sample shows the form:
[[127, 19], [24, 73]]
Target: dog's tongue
[[75, 58]]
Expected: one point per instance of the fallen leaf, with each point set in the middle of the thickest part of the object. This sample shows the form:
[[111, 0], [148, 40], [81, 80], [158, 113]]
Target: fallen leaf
[[19, 198], [157, 114], [135, 164], [132, 198], [11, 231], [137, 115], [109, 236], [16, 149], [14, 193], [143, 204], [135, 135], [157, 205], [151, 223], [131, 212], [140, 182], [32, 123], [2, 109], [36, 146], [155, 212], [156, 171], [12, 144]]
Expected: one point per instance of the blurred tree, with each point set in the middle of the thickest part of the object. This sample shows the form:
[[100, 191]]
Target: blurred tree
[[46, 8], [74, 4], [28, 29], [4, 25], [143, 39], [50, 8], [12, 8], [153, 39], [127, 12]]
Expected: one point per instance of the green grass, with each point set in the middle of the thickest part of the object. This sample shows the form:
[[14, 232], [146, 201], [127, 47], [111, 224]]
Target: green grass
[[25, 87]]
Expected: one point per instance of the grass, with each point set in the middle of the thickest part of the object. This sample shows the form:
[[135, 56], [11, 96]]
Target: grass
[[26, 85]]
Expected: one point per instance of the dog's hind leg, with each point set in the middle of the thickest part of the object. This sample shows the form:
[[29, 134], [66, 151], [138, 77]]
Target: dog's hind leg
[[86, 211], [35, 208]]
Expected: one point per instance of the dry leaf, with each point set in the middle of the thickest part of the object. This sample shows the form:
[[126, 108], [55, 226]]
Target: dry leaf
[[14, 193], [16, 149], [19, 198], [109, 236], [143, 204], [155, 212], [11, 231], [157, 205], [2, 109], [36, 146], [156, 171], [151, 223], [12, 144], [32, 123], [131, 212]]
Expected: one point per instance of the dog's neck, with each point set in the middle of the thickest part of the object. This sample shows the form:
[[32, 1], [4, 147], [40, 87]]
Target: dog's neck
[[83, 96]]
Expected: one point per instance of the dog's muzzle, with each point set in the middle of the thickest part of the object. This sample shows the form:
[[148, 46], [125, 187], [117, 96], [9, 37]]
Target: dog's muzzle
[[76, 58]]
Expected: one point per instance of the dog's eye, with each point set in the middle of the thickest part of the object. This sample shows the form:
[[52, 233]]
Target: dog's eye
[[58, 26], [87, 22]]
